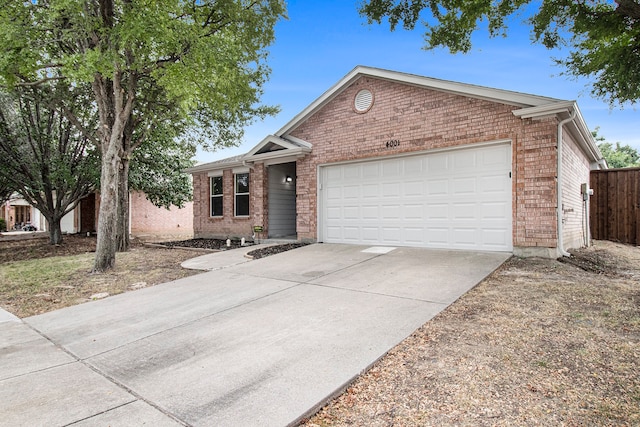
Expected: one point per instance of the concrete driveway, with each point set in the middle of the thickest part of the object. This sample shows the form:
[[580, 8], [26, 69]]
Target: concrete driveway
[[263, 342]]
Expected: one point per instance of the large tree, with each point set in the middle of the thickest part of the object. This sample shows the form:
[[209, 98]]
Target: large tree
[[207, 57], [616, 155], [603, 36], [619, 156], [44, 156], [6, 190]]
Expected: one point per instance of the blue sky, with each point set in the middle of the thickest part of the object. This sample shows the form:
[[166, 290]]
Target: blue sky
[[322, 41]]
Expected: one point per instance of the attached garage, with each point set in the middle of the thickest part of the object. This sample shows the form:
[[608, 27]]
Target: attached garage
[[456, 199]]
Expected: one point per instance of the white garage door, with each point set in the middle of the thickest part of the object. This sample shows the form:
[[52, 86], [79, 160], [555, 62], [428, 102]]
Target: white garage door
[[458, 199]]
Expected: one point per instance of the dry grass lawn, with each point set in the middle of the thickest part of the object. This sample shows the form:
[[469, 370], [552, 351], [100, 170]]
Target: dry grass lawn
[[36, 277]]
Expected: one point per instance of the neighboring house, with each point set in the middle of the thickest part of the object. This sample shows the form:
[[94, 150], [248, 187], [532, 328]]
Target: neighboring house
[[145, 219], [17, 212], [387, 158]]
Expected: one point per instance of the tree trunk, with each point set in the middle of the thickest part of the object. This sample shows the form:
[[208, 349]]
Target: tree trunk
[[55, 231], [122, 235], [115, 104], [108, 214]]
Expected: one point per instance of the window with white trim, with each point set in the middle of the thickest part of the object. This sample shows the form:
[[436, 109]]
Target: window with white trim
[[242, 194], [216, 196]]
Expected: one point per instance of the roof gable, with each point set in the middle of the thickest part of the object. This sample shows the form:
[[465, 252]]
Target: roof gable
[[517, 99]]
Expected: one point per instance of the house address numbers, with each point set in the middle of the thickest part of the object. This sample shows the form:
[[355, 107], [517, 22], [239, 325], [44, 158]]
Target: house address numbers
[[392, 143]]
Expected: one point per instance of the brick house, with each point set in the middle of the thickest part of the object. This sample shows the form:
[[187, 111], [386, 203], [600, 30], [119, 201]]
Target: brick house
[[145, 219], [387, 158]]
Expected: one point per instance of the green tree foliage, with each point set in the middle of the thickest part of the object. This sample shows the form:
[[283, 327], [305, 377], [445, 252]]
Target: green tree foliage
[[603, 36], [6, 189], [158, 170], [44, 156], [619, 156], [206, 58]]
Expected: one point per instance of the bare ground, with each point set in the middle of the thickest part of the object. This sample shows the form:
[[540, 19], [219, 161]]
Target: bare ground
[[539, 342]]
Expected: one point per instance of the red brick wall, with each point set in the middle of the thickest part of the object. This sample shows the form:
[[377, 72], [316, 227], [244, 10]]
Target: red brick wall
[[422, 120], [534, 195], [147, 219], [228, 225]]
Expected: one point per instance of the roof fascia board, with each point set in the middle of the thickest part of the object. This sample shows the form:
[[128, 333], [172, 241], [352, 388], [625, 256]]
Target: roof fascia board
[[295, 152], [464, 89], [300, 142], [270, 139], [549, 109], [213, 166]]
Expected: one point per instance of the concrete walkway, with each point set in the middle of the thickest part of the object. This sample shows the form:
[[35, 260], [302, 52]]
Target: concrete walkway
[[263, 343]]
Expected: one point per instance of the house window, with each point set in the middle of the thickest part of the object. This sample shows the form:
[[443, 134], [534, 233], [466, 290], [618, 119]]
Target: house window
[[242, 194], [216, 196]]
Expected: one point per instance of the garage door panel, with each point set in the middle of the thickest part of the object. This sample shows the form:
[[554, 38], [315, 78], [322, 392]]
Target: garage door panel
[[370, 191], [494, 211], [334, 193], [370, 170], [351, 172], [414, 235], [437, 236], [492, 156], [371, 212], [456, 199], [467, 237], [463, 211], [413, 212], [351, 212], [464, 161], [437, 211], [334, 213], [437, 187], [494, 237], [391, 212], [391, 168], [371, 234], [391, 235], [391, 190], [413, 189], [437, 163], [494, 184], [413, 167], [351, 191], [464, 186], [334, 233]]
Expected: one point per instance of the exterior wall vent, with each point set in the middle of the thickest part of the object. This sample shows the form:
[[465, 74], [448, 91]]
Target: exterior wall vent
[[363, 101]]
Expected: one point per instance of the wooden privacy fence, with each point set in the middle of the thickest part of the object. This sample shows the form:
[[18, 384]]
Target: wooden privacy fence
[[615, 205]]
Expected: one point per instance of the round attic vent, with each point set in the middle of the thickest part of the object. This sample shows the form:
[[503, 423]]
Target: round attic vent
[[363, 101]]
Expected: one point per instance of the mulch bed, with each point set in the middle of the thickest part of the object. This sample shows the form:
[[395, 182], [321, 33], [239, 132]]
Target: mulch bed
[[209, 244], [221, 244], [276, 249]]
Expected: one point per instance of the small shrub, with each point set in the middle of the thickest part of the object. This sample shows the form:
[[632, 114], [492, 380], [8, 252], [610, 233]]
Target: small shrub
[[3, 224]]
